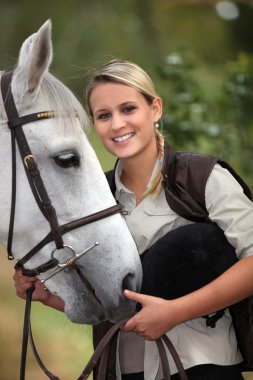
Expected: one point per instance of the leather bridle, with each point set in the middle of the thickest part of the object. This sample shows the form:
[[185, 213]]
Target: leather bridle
[[56, 233]]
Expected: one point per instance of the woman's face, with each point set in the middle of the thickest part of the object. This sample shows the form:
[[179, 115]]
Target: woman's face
[[124, 120]]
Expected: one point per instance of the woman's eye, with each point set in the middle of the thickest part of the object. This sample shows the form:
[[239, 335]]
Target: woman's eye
[[67, 159], [129, 109], [103, 116]]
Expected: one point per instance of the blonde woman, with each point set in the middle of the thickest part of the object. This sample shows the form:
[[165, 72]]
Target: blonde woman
[[125, 110]]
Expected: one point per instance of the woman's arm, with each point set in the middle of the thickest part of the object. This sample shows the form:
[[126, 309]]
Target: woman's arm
[[23, 283], [233, 212], [159, 316]]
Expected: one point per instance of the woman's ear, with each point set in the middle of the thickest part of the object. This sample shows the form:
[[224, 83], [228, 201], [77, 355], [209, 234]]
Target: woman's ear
[[157, 109]]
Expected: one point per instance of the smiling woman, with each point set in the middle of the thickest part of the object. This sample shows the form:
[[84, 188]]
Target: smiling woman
[[162, 191], [121, 116]]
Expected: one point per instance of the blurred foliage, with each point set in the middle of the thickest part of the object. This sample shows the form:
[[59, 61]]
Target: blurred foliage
[[220, 125], [237, 104], [88, 32]]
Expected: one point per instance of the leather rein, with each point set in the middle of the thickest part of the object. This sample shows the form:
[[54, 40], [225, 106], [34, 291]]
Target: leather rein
[[101, 354]]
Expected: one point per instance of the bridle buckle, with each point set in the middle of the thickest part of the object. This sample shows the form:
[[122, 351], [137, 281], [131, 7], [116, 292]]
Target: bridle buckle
[[27, 158]]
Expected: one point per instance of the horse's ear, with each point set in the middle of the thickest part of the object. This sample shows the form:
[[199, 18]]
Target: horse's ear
[[41, 56], [34, 59]]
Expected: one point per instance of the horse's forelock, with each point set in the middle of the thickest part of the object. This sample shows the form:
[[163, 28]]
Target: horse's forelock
[[64, 102]]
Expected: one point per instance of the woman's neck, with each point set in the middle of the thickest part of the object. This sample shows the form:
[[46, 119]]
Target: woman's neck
[[136, 174]]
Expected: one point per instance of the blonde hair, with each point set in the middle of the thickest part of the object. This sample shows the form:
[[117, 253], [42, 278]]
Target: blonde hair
[[130, 74]]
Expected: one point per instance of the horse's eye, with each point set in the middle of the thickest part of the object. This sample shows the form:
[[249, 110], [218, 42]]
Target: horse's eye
[[67, 159]]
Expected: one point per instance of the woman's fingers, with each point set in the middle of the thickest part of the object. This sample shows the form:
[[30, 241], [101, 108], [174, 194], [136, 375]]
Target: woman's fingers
[[153, 320], [23, 283]]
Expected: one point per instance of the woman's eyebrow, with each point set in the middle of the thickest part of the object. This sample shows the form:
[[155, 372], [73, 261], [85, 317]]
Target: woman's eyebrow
[[119, 105]]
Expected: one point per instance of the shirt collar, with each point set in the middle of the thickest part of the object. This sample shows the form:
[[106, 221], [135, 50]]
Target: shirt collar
[[119, 185]]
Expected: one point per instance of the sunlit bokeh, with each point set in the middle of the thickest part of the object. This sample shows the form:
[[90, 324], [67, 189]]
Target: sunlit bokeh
[[227, 10]]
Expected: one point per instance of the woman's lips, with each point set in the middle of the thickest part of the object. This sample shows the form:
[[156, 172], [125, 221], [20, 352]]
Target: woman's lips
[[124, 138]]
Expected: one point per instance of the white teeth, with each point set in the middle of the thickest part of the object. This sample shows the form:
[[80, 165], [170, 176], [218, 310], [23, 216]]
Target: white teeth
[[123, 138]]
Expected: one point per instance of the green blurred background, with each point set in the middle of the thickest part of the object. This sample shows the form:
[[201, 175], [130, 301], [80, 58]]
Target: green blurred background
[[200, 55]]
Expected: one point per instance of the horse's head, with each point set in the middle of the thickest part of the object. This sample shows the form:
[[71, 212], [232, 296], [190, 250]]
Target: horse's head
[[92, 289]]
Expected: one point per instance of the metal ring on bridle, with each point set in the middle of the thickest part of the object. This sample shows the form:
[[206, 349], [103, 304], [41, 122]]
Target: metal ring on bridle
[[70, 262], [67, 262]]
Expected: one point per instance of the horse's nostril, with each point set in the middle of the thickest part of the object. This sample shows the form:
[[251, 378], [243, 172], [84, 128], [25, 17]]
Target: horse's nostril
[[129, 282]]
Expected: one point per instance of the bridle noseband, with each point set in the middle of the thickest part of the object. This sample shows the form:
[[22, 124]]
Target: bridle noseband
[[15, 123]]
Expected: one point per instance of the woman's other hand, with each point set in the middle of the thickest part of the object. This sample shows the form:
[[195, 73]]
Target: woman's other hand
[[153, 320]]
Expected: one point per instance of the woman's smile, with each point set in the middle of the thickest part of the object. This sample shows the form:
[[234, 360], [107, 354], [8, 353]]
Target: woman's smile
[[124, 138]]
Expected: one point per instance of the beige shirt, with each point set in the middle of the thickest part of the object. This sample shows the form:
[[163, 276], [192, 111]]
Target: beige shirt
[[151, 219]]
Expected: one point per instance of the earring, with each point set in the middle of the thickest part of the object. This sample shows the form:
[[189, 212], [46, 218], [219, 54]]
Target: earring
[[156, 125]]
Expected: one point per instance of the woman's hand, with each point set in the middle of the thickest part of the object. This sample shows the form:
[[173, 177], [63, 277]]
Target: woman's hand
[[159, 315], [153, 320], [40, 293], [23, 283]]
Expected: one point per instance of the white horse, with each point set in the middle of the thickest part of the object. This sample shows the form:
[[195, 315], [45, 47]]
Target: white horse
[[76, 186]]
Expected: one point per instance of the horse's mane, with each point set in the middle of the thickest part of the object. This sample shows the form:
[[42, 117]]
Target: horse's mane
[[62, 101]]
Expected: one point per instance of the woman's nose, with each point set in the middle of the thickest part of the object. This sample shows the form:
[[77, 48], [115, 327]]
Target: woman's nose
[[118, 122]]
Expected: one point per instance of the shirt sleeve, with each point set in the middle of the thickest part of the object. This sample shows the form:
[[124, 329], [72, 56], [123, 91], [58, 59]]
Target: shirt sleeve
[[231, 209]]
